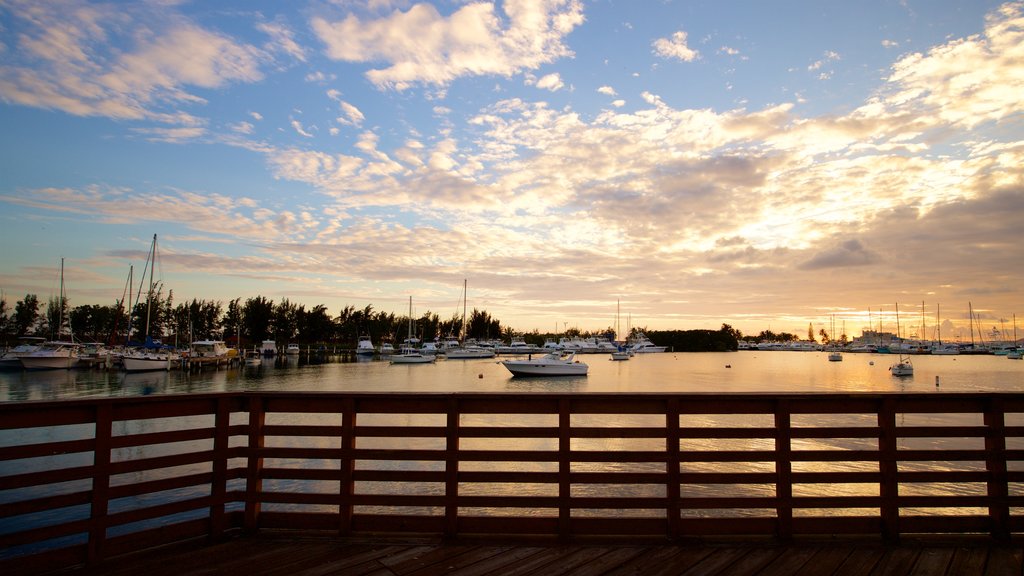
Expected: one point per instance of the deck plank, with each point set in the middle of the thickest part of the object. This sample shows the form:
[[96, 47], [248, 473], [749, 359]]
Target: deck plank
[[277, 555]]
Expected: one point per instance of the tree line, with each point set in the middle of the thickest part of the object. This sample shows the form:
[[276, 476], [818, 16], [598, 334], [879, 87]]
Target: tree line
[[241, 322], [248, 322]]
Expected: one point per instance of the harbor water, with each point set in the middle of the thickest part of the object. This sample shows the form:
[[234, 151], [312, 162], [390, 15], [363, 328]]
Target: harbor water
[[745, 371]]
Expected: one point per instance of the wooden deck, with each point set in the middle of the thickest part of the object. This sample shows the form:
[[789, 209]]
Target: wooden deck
[[274, 554]]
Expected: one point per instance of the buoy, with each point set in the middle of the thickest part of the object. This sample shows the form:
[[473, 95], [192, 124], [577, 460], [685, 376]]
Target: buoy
[[872, 363], [480, 376], [728, 365], [936, 381]]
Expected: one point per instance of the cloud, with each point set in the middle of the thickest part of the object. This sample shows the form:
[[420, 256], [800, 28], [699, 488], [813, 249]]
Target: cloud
[[849, 253], [675, 48], [282, 40], [299, 129], [607, 91], [829, 56], [424, 47], [552, 82], [119, 61]]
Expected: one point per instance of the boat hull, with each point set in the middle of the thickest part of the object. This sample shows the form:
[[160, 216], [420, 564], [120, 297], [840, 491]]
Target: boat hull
[[146, 363], [48, 362], [412, 359]]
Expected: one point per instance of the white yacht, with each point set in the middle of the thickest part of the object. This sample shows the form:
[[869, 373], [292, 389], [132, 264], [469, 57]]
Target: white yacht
[[642, 345], [26, 345], [365, 347]]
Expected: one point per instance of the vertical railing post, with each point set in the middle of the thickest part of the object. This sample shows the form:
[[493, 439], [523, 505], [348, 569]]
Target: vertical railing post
[[995, 464], [348, 466], [888, 468], [672, 466], [254, 468], [783, 470], [219, 484], [100, 482], [451, 469], [564, 468]]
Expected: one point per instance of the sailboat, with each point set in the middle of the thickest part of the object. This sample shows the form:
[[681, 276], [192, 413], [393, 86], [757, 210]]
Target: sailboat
[[835, 355], [410, 355], [903, 367], [55, 354], [464, 351], [150, 356]]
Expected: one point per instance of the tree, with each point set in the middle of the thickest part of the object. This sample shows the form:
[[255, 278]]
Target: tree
[[5, 321], [257, 314]]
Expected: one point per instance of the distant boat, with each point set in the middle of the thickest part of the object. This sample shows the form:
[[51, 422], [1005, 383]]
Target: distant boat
[[292, 350], [620, 355], [642, 345], [409, 354], [387, 349], [365, 346], [835, 356], [153, 356], [903, 367], [548, 365], [268, 348]]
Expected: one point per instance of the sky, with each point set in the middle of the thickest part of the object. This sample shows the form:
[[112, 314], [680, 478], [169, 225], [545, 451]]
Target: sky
[[665, 164]]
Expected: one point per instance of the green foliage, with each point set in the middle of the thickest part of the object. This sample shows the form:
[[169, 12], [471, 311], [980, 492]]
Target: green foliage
[[723, 340], [26, 315]]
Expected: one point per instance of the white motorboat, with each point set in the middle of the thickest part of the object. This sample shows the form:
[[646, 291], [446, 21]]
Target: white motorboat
[[26, 345], [518, 346], [292, 350], [51, 356], [365, 347], [387, 349], [547, 365]]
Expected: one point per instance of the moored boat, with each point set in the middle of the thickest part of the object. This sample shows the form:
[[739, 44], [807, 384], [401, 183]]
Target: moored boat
[[548, 365], [26, 345], [364, 347], [53, 355]]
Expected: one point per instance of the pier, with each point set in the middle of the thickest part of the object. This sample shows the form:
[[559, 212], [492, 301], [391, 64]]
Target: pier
[[464, 475]]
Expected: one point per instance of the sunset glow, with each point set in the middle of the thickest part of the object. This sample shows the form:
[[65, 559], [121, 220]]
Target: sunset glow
[[693, 163]]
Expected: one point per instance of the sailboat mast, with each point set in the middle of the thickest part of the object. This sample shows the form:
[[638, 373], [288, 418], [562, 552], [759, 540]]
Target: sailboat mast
[[60, 302], [149, 295], [465, 296]]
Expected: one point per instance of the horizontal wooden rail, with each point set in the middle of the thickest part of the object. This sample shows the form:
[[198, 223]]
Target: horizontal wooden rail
[[85, 479]]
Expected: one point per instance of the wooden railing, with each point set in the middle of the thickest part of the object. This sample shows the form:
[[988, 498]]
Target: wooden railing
[[87, 479]]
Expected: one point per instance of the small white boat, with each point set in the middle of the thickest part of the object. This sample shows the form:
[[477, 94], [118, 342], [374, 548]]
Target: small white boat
[[620, 355], [835, 356], [1014, 354], [387, 349], [253, 358], [143, 361], [548, 365], [902, 368], [292, 350]]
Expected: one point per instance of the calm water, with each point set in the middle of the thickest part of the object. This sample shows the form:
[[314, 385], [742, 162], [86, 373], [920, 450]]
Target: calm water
[[747, 371]]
